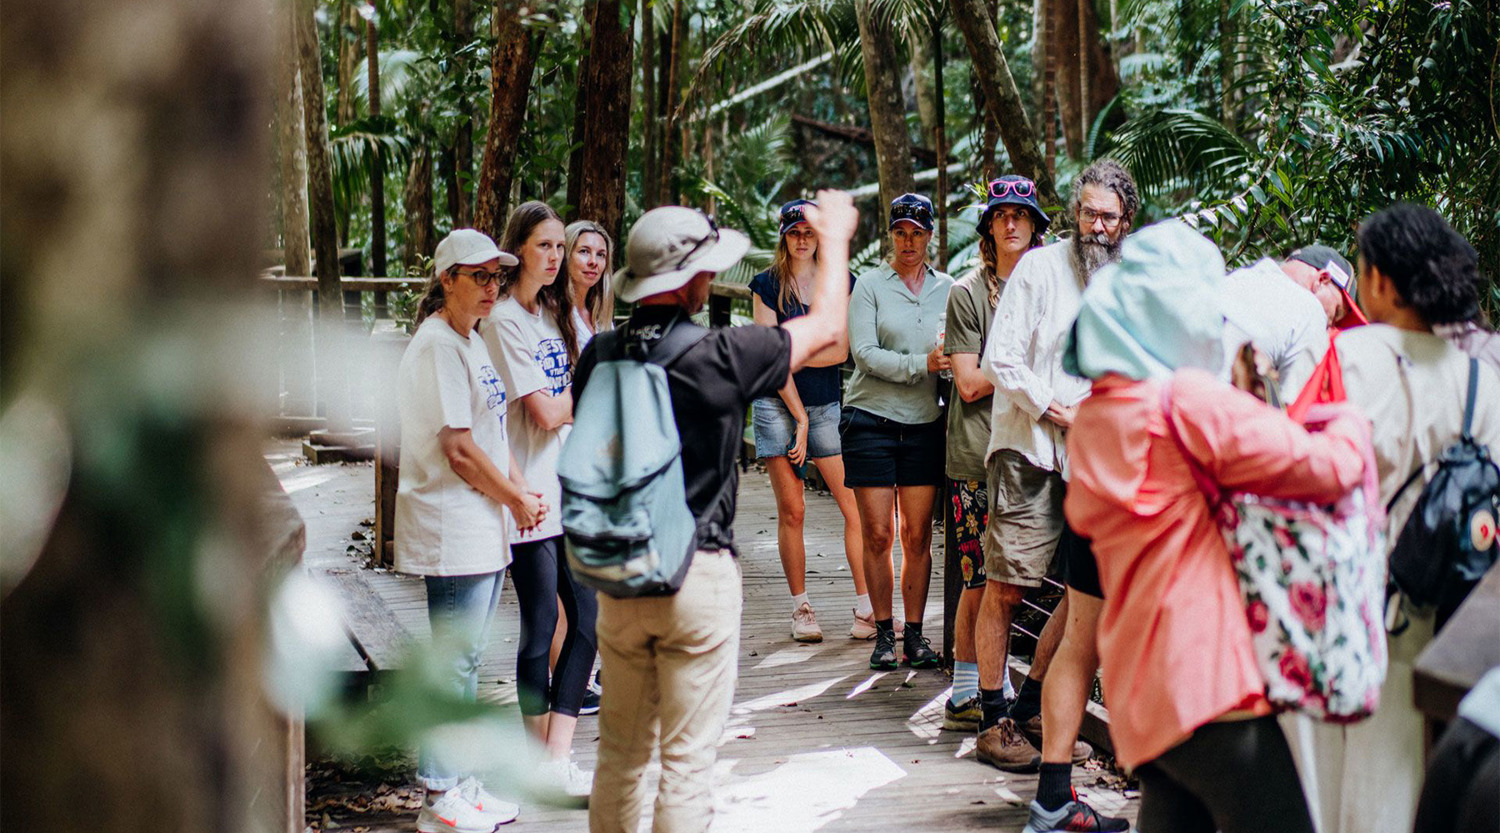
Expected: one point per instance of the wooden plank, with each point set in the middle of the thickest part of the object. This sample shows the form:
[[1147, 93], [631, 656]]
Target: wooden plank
[[1466, 648], [376, 633], [292, 283]]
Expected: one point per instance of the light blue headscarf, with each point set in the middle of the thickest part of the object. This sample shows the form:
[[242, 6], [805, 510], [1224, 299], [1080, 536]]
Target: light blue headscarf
[[1157, 310]]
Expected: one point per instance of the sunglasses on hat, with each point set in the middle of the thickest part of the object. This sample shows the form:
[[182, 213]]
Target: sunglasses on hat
[[711, 237], [1022, 187], [909, 211]]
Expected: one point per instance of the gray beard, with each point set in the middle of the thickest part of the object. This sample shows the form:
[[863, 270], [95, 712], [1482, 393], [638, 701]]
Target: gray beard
[[1092, 251]]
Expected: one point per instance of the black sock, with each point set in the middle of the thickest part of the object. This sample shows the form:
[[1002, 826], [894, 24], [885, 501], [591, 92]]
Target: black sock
[[885, 625], [1028, 701], [993, 706], [1055, 788], [913, 630]]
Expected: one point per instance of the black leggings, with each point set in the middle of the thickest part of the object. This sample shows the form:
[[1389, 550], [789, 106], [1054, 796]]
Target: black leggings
[[541, 575], [1235, 777]]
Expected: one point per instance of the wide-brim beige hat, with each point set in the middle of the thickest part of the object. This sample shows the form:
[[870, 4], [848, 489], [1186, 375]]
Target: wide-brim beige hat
[[671, 244]]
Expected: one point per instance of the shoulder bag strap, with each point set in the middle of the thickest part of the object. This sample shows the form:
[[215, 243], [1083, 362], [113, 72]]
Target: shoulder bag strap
[[1468, 433], [681, 335]]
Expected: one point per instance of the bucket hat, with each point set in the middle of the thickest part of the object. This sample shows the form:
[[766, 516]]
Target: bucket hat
[[1012, 190], [671, 244]]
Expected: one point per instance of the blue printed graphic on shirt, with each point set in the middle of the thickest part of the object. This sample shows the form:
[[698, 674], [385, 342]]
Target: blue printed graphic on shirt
[[493, 387], [552, 358]]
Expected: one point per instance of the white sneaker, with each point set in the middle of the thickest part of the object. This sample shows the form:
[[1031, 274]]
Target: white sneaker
[[452, 813], [864, 626], [474, 792], [805, 624], [565, 784]]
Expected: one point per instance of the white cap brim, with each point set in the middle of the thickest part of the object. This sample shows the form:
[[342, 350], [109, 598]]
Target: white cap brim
[[487, 255], [730, 248]]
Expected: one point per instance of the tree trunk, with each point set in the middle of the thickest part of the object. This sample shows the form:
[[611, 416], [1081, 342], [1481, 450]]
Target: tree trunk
[[940, 138], [1041, 36], [580, 117], [926, 89], [129, 659], [649, 173], [1087, 79], [514, 59], [333, 385], [293, 145], [463, 136], [605, 97], [887, 109], [377, 164], [1049, 87], [347, 26], [1085, 59], [1000, 88], [671, 94], [416, 199]]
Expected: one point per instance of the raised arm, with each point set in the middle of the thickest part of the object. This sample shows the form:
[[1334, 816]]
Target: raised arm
[[834, 219]]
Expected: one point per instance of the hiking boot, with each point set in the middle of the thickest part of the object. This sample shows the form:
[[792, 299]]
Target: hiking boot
[[451, 812], [1072, 817], [805, 624], [1032, 729], [962, 717], [864, 626], [883, 658], [918, 650], [1004, 747]]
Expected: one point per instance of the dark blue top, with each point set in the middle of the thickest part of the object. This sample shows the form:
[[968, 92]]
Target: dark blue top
[[815, 385]]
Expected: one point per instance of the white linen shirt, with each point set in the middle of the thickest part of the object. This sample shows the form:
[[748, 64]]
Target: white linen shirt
[[1283, 320], [1023, 356]]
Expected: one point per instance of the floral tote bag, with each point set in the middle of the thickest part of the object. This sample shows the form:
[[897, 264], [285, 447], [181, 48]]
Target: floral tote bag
[[1313, 580]]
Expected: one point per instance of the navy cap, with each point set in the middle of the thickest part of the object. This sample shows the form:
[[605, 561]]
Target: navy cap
[[792, 214], [1013, 190], [913, 208]]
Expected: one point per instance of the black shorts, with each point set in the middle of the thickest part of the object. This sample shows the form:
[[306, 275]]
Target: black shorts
[[884, 452], [1079, 569]]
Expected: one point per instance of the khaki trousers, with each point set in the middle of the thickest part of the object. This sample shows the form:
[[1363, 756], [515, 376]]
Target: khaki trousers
[[669, 668]]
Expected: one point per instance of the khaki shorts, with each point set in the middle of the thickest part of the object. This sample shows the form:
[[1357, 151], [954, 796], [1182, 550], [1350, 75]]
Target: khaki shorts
[[1026, 520]]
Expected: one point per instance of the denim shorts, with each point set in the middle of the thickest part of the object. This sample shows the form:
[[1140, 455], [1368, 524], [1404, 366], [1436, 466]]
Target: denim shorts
[[775, 429]]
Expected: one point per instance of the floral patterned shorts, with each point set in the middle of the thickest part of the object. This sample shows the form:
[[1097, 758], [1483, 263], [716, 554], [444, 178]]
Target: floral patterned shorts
[[969, 512]]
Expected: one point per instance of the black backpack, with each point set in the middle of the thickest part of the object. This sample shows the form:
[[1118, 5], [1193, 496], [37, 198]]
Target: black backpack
[[1448, 542]]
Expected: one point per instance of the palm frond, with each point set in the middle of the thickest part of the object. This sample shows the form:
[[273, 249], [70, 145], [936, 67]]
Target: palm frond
[[1169, 148]]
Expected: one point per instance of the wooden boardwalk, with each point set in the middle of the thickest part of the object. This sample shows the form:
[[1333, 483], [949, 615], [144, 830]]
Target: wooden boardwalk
[[816, 741]]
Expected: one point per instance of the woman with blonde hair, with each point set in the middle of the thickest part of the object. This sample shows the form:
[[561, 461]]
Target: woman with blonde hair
[[589, 253], [801, 424]]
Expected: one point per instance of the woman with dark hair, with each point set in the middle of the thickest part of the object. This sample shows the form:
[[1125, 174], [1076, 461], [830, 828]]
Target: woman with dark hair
[[1011, 225], [1188, 710], [531, 338], [457, 478], [1415, 273], [891, 429], [588, 255], [802, 424]]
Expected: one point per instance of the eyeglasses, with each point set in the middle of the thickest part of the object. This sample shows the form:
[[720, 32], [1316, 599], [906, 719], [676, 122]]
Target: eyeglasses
[[1087, 217], [909, 211], [711, 237], [1022, 187], [482, 278]]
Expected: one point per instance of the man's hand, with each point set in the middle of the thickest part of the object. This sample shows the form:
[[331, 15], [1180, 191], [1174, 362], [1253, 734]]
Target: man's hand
[[1061, 415], [937, 362], [834, 217]]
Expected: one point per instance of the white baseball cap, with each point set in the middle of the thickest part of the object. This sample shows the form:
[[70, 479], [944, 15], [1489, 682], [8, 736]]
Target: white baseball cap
[[468, 247], [671, 244]]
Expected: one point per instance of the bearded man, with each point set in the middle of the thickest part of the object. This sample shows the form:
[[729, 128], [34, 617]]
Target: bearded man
[[1026, 462]]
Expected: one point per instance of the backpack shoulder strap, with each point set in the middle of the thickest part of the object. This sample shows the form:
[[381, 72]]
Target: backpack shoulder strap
[[681, 335], [1468, 433]]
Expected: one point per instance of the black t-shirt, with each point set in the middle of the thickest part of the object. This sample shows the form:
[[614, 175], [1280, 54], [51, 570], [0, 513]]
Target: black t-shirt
[[711, 384], [815, 385]]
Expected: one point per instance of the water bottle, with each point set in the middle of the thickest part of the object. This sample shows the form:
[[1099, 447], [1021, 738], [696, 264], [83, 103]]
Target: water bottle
[[942, 334]]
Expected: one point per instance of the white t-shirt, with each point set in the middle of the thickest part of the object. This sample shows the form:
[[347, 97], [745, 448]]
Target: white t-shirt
[[584, 328], [444, 526], [529, 352], [1282, 320]]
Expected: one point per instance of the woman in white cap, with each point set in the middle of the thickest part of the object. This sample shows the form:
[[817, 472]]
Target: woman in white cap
[[892, 426], [532, 342], [801, 424], [457, 478], [589, 251]]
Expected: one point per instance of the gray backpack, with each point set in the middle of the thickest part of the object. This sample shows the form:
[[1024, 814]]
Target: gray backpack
[[627, 528]]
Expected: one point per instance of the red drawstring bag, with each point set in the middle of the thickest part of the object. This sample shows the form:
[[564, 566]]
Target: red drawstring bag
[[1325, 385]]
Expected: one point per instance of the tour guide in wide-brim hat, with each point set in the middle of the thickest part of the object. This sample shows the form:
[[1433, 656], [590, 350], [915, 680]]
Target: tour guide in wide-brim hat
[[671, 244], [1012, 190]]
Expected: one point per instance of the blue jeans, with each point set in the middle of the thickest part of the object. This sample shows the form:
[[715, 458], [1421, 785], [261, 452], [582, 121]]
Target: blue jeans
[[459, 608]]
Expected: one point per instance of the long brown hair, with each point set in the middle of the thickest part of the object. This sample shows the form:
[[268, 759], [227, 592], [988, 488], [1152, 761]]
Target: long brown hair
[[786, 283], [600, 300], [556, 297], [988, 256]]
